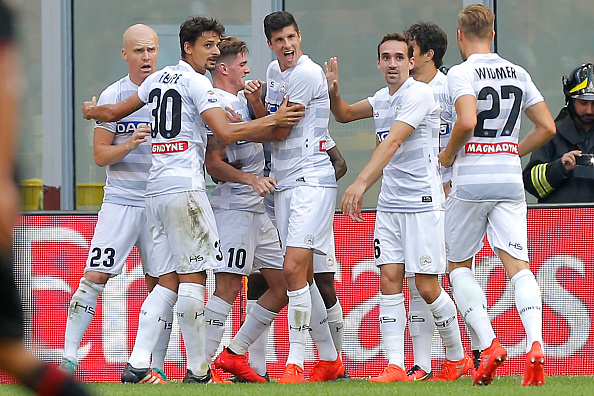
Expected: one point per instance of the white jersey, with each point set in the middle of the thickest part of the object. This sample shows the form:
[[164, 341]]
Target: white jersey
[[411, 180], [239, 196], [439, 85], [269, 198], [176, 96], [301, 158], [447, 117], [126, 179], [488, 167]]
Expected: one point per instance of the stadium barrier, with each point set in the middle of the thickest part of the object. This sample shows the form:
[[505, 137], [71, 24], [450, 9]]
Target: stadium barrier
[[51, 249]]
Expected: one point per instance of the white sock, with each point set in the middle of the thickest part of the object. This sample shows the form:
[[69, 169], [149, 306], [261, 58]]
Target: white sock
[[151, 321], [160, 349], [472, 304], [215, 315], [318, 323], [80, 314], [336, 324], [298, 314], [421, 326], [190, 314], [257, 349], [446, 321], [254, 325], [529, 305], [392, 324]]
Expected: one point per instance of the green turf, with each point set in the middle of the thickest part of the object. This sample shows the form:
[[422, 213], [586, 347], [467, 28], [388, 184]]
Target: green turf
[[508, 385]]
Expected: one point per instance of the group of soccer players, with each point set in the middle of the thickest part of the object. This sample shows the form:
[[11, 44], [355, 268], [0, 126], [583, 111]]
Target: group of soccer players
[[475, 110]]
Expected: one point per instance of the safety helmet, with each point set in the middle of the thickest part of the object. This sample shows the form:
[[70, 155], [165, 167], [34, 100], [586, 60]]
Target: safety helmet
[[580, 83]]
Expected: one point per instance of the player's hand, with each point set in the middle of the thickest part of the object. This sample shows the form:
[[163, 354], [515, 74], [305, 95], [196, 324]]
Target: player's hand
[[253, 91], [288, 114], [445, 159], [232, 116], [263, 185], [138, 137], [331, 69], [568, 160], [352, 201], [88, 107]]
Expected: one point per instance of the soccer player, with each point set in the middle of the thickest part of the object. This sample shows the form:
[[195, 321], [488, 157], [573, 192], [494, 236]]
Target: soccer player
[[304, 202], [409, 233], [125, 150], [487, 192], [249, 241], [181, 103], [15, 360], [324, 268], [429, 43]]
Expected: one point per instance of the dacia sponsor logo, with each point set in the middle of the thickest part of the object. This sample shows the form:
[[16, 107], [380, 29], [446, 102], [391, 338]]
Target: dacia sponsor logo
[[381, 135], [123, 127]]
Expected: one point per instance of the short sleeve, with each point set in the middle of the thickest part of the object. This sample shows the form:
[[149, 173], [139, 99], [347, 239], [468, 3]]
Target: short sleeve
[[459, 84], [419, 101]]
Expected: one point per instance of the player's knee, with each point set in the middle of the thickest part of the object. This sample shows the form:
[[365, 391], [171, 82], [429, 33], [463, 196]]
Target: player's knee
[[97, 277]]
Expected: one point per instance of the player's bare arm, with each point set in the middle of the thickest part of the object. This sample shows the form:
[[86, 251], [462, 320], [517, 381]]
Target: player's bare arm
[[544, 128], [286, 116], [106, 153], [462, 130], [338, 162], [221, 170], [352, 200], [111, 112], [343, 112], [253, 93]]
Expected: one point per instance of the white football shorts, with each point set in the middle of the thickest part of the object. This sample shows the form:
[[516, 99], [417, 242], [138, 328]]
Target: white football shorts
[[504, 222], [414, 239], [118, 229], [185, 232], [249, 242], [305, 217]]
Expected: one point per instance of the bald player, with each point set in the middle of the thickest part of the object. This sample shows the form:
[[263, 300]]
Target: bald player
[[124, 148]]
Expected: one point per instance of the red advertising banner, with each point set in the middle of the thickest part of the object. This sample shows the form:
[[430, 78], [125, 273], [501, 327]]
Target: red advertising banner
[[51, 251]]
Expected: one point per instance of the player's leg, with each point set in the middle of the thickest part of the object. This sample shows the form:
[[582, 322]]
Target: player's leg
[[466, 224], [257, 286], [194, 241], [425, 255], [389, 257], [237, 244], [106, 258], [325, 283], [420, 327], [324, 268], [145, 245], [508, 235], [157, 307]]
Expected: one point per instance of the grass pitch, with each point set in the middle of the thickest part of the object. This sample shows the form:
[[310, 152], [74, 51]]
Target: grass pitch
[[506, 385]]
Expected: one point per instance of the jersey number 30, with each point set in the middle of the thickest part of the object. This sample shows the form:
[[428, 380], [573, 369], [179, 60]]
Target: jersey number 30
[[166, 113]]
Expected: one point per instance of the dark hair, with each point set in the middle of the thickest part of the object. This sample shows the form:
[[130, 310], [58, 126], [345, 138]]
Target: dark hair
[[230, 47], [278, 21], [194, 27], [397, 37], [429, 36]]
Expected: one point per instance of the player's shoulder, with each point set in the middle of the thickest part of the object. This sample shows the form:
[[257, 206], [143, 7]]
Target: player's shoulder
[[113, 92], [307, 68], [412, 87]]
